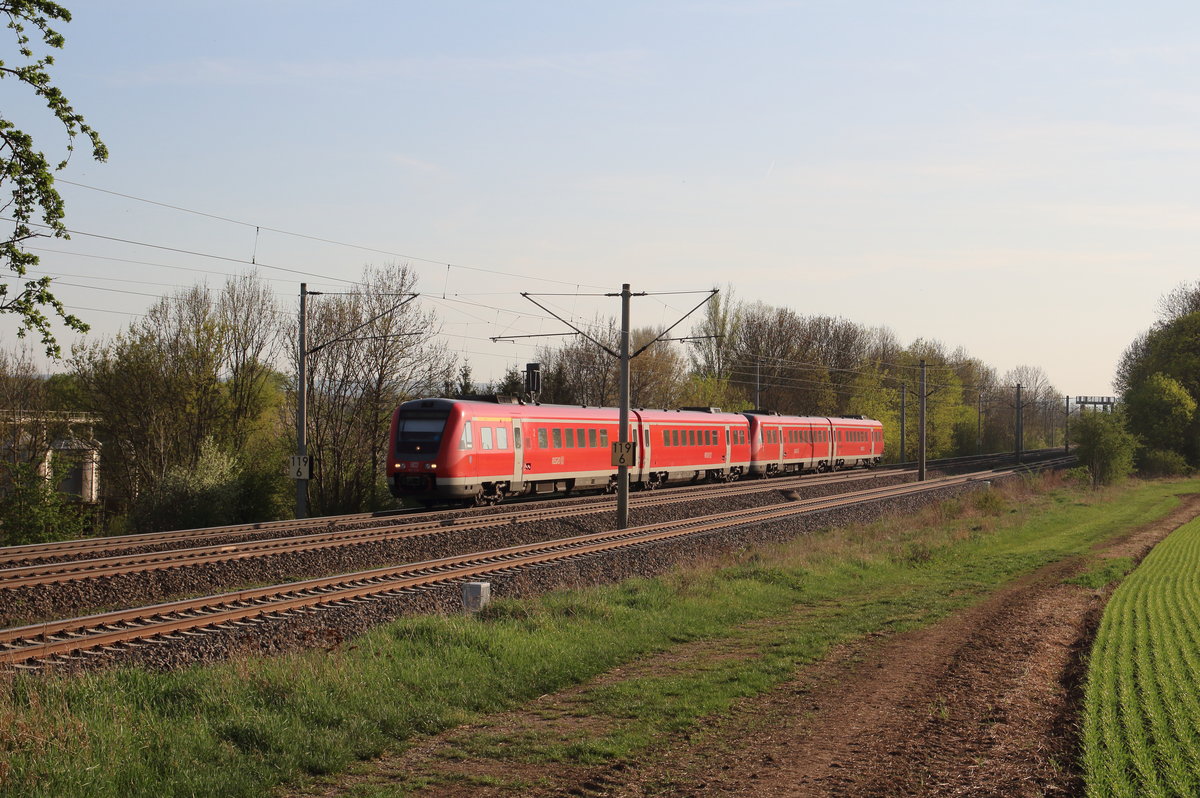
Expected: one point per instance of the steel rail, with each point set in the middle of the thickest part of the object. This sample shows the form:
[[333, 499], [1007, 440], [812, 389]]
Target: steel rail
[[59, 638], [72, 548], [30, 551], [81, 569], [77, 570]]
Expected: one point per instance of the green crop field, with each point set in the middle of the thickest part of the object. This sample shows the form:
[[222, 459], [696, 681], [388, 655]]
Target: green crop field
[[1142, 718]]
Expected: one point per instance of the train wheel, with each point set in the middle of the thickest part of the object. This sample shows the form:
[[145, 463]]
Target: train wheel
[[487, 499]]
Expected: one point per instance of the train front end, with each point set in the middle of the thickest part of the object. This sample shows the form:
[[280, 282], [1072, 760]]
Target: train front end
[[423, 459]]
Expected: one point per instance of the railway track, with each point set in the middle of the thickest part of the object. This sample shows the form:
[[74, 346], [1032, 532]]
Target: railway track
[[48, 573], [15, 558], [61, 641]]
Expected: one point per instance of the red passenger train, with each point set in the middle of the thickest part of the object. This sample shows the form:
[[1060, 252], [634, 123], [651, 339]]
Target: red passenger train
[[451, 450]]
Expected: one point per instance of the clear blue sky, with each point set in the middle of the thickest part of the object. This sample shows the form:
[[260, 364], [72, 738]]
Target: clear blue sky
[[1019, 178]]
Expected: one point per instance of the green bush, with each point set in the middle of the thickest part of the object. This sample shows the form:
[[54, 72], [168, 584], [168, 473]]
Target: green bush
[[33, 511], [1161, 463], [1105, 446], [188, 498]]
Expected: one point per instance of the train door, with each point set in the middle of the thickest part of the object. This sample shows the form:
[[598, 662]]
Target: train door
[[644, 450], [641, 470], [727, 458], [519, 457]]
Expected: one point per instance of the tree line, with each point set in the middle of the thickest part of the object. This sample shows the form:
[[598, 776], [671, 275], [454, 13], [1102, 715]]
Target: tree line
[[1154, 430], [751, 355], [194, 405]]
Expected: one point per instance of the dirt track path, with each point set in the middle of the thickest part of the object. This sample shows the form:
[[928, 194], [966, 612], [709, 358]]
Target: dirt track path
[[981, 704]]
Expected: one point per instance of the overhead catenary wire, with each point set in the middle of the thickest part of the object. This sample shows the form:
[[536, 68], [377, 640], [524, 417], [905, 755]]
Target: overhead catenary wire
[[319, 239], [260, 228]]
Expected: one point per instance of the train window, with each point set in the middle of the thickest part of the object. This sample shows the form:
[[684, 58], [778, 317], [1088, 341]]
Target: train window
[[666, 437], [691, 437], [603, 439], [466, 441], [485, 438], [674, 437], [570, 438], [542, 442], [592, 438], [579, 437], [645, 437], [556, 433], [420, 431], [501, 438]]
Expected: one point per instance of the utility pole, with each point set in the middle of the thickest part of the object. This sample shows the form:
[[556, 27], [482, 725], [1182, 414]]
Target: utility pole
[[1067, 423], [903, 432], [302, 406], [758, 386], [624, 356], [979, 426], [623, 432], [302, 464], [1020, 429], [921, 436]]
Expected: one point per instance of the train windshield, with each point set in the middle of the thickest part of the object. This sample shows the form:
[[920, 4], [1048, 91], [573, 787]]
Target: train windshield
[[420, 431]]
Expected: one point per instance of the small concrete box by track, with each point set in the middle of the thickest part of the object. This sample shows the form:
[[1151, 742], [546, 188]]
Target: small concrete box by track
[[476, 595]]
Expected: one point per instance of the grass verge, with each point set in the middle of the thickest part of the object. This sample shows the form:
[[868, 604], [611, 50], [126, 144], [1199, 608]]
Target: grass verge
[[240, 727]]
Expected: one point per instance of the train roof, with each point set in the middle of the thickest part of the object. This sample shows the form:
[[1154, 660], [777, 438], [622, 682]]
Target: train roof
[[476, 407], [840, 421]]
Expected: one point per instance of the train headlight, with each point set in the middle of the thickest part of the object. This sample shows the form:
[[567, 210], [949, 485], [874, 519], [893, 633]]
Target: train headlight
[[433, 466]]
